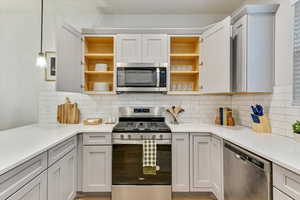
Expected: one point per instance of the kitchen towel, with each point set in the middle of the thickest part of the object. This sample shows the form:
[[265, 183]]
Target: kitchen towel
[[149, 157]]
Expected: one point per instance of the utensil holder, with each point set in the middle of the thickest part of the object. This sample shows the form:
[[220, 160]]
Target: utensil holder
[[263, 126]]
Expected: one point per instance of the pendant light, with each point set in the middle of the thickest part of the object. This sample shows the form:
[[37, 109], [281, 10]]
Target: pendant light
[[41, 59]]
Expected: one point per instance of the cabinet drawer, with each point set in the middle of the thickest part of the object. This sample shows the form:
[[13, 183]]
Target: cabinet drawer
[[277, 195], [13, 180], [96, 138], [60, 150], [286, 181]]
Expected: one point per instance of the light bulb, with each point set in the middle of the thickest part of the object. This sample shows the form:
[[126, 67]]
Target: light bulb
[[41, 60]]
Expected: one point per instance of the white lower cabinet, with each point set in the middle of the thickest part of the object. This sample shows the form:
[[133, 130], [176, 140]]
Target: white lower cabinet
[[97, 168], [62, 178], [34, 190], [200, 162], [278, 195], [217, 167], [180, 162]]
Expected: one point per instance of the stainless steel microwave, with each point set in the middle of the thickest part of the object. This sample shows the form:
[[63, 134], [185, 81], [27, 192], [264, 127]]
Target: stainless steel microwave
[[141, 78]]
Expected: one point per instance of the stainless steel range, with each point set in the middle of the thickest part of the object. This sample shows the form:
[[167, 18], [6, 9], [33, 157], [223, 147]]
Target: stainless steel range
[[137, 124]]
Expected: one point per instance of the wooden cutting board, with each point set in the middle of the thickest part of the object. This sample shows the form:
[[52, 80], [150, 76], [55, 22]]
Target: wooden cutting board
[[68, 113]]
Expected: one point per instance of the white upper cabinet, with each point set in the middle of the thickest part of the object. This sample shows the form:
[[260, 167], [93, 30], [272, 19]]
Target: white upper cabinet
[[69, 60], [253, 48], [215, 72], [129, 48], [137, 48], [155, 48]]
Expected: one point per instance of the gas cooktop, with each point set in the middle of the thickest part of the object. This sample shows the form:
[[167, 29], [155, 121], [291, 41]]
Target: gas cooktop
[[128, 125]]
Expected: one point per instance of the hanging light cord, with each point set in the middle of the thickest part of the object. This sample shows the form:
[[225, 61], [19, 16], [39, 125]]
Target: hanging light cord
[[42, 23]]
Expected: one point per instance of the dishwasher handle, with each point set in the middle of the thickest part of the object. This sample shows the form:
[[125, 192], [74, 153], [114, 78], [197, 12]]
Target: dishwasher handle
[[248, 157]]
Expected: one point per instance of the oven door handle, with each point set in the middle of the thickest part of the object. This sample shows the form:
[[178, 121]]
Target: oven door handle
[[158, 77], [140, 142]]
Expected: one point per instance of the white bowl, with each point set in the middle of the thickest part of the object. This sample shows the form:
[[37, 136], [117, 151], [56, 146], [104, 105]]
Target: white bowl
[[101, 67], [101, 86]]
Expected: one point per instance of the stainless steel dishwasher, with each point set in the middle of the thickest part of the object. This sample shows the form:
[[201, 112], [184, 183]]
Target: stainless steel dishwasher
[[246, 176]]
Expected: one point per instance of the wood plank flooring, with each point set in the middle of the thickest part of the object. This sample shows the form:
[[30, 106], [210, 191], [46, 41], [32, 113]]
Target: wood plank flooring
[[175, 198]]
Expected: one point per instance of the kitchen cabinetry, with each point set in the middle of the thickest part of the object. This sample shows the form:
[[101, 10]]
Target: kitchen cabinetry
[[62, 178], [217, 167], [97, 168], [34, 190], [200, 162], [278, 195], [138, 48], [180, 162], [99, 50], [184, 64], [253, 48], [216, 57], [69, 77], [286, 181]]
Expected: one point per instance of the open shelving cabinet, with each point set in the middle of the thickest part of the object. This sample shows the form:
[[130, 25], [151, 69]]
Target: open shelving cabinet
[[99, 50], [184, 64]]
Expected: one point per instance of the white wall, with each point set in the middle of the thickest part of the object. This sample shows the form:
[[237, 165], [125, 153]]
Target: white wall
[[279, 105], [19, 44], [166, 21]]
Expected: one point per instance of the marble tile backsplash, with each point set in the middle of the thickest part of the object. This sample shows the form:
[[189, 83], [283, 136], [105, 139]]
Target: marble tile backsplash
[[198, 109]]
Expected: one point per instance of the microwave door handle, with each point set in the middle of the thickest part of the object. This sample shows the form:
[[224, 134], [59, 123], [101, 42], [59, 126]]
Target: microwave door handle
[[158, 77]]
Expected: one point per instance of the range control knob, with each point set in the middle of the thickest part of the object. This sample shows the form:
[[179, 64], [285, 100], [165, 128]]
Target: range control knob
[[142, 137], [129, 137], [161, 137], [153, 137], [122, 137]]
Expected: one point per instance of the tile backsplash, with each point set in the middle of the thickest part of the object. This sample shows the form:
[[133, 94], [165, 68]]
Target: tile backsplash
[[198, 109]]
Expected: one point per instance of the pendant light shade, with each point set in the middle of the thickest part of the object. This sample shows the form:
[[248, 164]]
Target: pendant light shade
[[41, 59]]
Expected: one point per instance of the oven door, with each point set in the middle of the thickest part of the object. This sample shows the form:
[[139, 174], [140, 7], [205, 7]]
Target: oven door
[[127, 165]]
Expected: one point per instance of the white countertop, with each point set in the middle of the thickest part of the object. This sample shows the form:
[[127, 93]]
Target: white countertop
[[21, 144]]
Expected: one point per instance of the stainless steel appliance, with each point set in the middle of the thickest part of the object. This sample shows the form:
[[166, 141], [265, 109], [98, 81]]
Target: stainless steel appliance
[[246, 176], [141, 77], [136, 125]]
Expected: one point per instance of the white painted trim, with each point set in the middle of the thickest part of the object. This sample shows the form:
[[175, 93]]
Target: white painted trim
[[293, 2]]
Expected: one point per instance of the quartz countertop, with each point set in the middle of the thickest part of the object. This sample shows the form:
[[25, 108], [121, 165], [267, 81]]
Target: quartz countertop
[[21, 144]]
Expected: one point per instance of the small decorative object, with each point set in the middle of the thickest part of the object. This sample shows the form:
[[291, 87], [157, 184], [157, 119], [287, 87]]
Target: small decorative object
[[68, 113], [92, 121], [225, 117], [296, 129], [50, 70], [175, 111], [260, 123]]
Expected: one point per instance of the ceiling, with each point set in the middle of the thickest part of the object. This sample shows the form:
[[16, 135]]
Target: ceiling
[[167, 7]]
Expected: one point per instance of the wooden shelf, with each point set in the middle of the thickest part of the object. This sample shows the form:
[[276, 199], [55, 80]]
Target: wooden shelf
[[99, 45], [184, 55], [100, 93], [99, 72], [184, 72], [99, 55]]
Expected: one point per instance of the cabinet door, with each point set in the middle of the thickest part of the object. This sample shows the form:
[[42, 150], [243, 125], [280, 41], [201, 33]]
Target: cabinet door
[[129, 48], [97, 168], [217, 167], [155, 48], [200, 163], [180, 162], [277, 195], [70, 175], [69, 58], [34, 190], [62, 178], [216, 57]]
